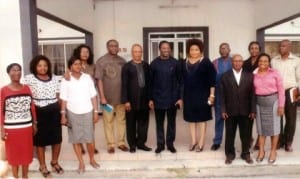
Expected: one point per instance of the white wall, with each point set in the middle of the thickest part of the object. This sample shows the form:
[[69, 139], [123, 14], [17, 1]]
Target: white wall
[[78, 12], [10, 43], [124, 21], [270, 11]]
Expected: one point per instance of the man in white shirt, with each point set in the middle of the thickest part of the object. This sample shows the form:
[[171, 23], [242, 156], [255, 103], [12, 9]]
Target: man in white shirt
[[289, 67]]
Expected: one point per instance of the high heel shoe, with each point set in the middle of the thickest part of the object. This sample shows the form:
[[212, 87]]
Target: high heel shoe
[[199, 149], [44, 171], [272, 161], [258, 160], [192, 147]]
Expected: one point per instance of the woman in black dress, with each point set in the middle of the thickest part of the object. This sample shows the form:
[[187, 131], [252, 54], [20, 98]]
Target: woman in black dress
[[45, 87], [199, 87]]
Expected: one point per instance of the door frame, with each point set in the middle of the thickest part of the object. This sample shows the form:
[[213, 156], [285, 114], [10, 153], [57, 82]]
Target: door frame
[[148, 30]]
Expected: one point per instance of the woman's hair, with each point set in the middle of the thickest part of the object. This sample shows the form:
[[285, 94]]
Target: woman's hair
[[72, 60], [10, 66], [264, 55], [36, 60], [191, 42], [252, 43], [77, 52]]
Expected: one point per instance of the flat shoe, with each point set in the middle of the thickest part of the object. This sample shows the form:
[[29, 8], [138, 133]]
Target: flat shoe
[[44, 171], [199, 149]]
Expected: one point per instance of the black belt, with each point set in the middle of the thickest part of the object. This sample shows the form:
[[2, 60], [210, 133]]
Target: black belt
[[265, 95]]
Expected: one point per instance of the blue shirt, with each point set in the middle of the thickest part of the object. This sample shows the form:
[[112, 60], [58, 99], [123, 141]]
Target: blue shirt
[[164, 82], [222, 65]]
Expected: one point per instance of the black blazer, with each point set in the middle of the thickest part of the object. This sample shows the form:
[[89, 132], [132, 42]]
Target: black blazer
[[131, 92], [237, 99]]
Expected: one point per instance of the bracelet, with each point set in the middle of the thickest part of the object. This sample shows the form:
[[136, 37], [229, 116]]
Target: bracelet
[[62, 111], [212, 95], [35, 122], [95, 111]]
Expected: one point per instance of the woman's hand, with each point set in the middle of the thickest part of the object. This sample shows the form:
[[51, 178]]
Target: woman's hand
[[34, 129], [63, 120], [95, 117], [211, 100], [280, 111], [3, 134]]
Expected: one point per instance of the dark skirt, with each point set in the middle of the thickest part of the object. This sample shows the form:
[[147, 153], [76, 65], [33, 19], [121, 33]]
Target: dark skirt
[[49, 126]]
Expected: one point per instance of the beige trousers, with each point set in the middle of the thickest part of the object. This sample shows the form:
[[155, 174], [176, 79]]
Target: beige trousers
[[108, 121]]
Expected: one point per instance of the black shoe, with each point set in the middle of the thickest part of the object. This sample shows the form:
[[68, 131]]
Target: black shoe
[[159, 149], [215, 147], [144, 147], [172, 149], [132, 150], [248, 159], [228, 160]]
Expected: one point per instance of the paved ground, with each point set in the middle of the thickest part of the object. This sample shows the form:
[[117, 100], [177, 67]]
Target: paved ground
[[183, 164]]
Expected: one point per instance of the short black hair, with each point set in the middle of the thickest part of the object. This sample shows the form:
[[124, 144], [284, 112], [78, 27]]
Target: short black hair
[[191, 42], [163, 42], [252, 43], [111, 40], [72, 60], [77, 52], [264, 55], [35, 61], [10, 66]]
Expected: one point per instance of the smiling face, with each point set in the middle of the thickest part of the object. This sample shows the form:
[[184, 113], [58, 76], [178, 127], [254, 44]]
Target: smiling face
[[263, 63], [165, 50], [113, 47], [237, 62], [254, 50], [15, 73], [195, 52], [42, 67]]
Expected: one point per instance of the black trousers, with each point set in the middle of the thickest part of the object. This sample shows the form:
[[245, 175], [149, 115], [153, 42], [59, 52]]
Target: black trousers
[[287, 132], [231, 125], [137, 123], [171, 126]]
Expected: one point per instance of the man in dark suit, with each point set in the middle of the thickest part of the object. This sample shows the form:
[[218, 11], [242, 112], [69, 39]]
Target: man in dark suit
[[237, 106], [135, 97]]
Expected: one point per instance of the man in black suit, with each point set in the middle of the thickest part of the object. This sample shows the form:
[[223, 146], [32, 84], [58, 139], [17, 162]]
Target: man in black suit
[[237, 106], [135, 97]]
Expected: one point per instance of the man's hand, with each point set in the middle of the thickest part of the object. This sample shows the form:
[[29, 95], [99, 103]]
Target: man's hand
[[224, 115], [252, 115], [95, 117], [151, 104], [103, 100], [127, 106]]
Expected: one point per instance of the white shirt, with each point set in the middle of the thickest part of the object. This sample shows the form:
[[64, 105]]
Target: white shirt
[[289, 69], [43, 91], [78, 93], [237, 75]]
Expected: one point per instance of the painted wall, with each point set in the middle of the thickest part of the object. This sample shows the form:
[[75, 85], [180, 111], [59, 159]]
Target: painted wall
[[10, 43], [124, 21], [78, 12], [270, 11]]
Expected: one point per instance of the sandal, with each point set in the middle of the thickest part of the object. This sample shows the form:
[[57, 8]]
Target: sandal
[[95, 165], [44, 171], [57, 168]]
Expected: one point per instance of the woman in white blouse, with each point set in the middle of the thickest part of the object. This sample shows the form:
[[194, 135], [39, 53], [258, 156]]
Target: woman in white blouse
[[79, 111]]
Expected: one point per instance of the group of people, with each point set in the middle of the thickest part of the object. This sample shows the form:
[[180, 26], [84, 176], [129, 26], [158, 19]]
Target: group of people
[[240, 91]]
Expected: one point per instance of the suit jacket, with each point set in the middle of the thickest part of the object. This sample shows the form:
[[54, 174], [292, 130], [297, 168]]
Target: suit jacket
[[237, 99], [131, 92]]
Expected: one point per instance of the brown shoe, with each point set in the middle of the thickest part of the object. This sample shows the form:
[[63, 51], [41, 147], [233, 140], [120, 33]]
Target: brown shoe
[[111, 150], [123, 148]]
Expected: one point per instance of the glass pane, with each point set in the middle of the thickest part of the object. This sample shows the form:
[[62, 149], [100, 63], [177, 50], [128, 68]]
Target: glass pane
[[40, 49], [198, 36], [69, 50], [56, 55], [154, 50], [180, 51], [172, 47]]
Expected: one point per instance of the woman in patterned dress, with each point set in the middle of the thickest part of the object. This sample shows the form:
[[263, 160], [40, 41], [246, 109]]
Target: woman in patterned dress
[[45, 87], [18, 121]]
